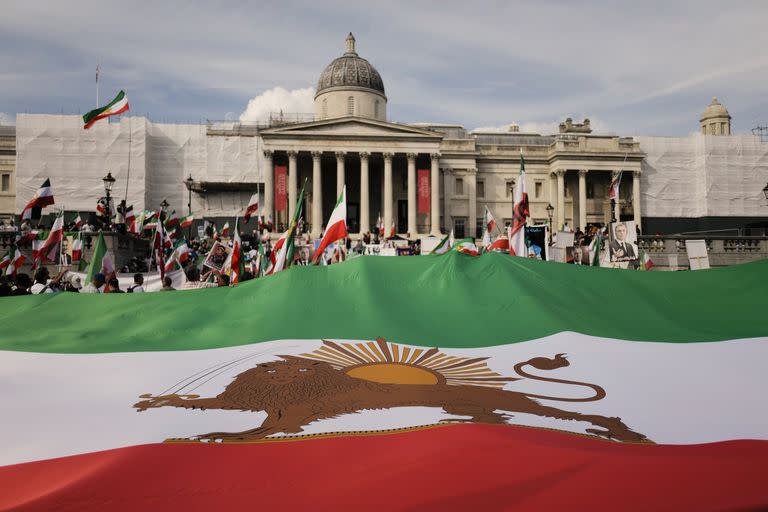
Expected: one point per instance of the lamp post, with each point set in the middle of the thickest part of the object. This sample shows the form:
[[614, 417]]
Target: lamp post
[[188, 182], [550, 211], [109, 182]]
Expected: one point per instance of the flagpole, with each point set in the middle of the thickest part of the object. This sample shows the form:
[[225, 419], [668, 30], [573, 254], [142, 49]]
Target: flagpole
[[97, 86]]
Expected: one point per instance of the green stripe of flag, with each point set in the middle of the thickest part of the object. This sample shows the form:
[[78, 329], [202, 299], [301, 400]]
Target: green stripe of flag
[[444, 301]]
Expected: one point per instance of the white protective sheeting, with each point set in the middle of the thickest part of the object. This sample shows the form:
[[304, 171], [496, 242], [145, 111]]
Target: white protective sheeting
[[703, 175], [76, 160], [162, 156]]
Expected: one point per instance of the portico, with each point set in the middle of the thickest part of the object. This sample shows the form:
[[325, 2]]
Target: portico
[[375, 160]]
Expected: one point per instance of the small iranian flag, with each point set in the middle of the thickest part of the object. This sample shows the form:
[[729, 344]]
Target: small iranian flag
[[443, 247], [235, 258], [187, 221], [17, 260], [43, 197], [646, 263], [467, 246], [130, 219], [224, 230], [520, 215], [595, 247], [77, 221], [115, 107], [253, 207], [102, 261], [613, 191], [6, 258], [48, 250], [171, 220], [500, 244], [77, 249], [336, 228]]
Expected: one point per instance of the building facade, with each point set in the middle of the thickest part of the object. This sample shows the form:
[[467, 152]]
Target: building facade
[[7, 171], [420, 178]]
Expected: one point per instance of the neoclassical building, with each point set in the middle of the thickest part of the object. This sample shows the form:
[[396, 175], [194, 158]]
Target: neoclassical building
[[352, 144], [421, 178]]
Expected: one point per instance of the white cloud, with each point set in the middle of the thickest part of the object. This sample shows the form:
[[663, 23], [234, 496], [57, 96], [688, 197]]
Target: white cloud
[[7, 119], [279, 99]]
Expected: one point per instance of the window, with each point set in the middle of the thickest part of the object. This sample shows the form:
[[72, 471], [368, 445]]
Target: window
[[538, 188], [480, 189], [459, 188], [458, 227], [480, 227], [509, 186], [351, 105], [590, 190], [325, 108], [6, 185], [376, 109]]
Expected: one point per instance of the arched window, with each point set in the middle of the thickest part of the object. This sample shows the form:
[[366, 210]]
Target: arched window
[[376, 109], [351, 106], [325, 108]]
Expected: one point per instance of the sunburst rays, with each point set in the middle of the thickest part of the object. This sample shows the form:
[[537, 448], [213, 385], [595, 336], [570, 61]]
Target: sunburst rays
[[456, 370]]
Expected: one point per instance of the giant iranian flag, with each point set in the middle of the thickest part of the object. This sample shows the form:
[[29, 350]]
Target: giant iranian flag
[[436, 382]]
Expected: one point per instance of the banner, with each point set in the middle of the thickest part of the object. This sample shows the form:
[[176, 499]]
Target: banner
[[537, 241], [423, 191], [623, 245], [281, 177]]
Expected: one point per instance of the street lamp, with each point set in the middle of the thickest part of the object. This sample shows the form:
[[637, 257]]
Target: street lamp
[[109, 182], [188, 182], [550, 211]]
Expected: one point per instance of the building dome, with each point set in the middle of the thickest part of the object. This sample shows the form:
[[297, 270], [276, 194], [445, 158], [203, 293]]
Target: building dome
[[715, 120], [350, 70], [715, 109]]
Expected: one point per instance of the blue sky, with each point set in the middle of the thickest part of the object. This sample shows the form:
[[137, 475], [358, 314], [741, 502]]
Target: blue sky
[[634, 68]]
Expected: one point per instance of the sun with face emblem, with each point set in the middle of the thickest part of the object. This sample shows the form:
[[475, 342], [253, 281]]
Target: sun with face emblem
[[390, 363]]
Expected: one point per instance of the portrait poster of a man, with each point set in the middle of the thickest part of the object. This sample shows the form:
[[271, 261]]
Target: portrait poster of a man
[[623, 246]]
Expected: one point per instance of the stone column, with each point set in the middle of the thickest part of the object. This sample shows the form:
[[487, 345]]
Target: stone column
[[365, 205], [472, 195], [412, 229], [269, 186], [317, 196], [434, 214], [636, 199], [387, 193], [339, 173], [616, 205], [560, 201], [292, 179], [582, 199], [447, 194]]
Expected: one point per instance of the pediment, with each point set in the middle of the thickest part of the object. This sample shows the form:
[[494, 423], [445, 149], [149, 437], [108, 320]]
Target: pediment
[[351, 127]]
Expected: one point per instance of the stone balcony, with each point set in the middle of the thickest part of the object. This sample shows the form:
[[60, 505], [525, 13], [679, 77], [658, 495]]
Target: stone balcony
[[669, 252]]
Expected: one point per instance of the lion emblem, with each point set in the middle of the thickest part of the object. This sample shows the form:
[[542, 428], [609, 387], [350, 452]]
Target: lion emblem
[[343, 378]]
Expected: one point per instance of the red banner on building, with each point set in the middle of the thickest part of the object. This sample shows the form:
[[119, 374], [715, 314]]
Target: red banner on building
[[281, 187], [423, 188]]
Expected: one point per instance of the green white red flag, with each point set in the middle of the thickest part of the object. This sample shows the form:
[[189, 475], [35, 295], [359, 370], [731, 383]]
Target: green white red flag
[[17, 260], [50, 248], [466, 246], [394, 383], [336, 229], [235, 262], [187, 221], [252, 208], [520, 213], [115, 107]]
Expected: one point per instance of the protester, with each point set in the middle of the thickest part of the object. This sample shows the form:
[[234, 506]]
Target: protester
[[23, 284], [194, 282], [138, 284], [74, 284], [97, 285], [167, 285], [113, 286]]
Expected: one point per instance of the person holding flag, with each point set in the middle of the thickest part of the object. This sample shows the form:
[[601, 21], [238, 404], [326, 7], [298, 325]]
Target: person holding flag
[[336, 229], [282, 252]]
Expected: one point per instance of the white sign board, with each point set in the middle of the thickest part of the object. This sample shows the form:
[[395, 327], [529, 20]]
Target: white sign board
[[698, 258], [564, 239]]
